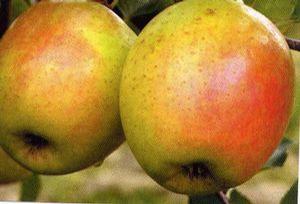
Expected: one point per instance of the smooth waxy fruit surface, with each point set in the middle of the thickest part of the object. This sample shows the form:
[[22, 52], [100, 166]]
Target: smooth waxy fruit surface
[[60, 70], [11, 171], [206, 95]]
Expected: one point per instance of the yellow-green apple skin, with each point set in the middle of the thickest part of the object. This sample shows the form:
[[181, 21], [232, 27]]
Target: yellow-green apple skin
[[294, 123], [206, 94], [60, 71], [11, 171]]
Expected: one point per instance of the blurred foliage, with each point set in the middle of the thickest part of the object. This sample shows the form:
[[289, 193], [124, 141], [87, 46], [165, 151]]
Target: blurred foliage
[[116, 195], [210, 199], [291, 196], [235, 197], [137, 13], [294, 31], [279, 155], [133, 8], [4, 16]]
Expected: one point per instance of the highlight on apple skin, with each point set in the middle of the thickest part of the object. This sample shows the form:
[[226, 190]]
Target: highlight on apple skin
[[206, 95], [60, 70], [11, 171]]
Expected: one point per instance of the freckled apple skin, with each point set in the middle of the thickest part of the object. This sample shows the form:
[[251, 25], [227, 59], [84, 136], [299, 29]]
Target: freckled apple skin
[[208, 82], [11, 171], [60, 71]]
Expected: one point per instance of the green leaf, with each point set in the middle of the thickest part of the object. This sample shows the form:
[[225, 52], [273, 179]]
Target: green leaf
[[293, 31], [296, 13], [280, 12], [209, 199], [291, 196], [276, 10], [17, 7], [236, 197], [249, 2], [279, 156], [30, 188]]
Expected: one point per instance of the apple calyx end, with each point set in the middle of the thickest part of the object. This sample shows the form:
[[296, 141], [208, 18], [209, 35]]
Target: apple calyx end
[[35, 141], [196, 171]]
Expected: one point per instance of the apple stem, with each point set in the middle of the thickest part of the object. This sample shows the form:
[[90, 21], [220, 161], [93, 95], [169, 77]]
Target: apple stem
[[294, 44], [222, 196]]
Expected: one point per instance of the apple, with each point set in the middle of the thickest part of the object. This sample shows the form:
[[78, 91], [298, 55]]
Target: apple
[[11, 171], [206, 94], [60, 70]]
